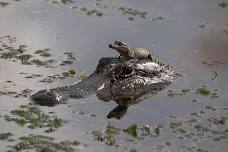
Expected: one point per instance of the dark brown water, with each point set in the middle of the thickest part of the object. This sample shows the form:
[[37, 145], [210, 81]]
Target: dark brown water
[[191, 36]]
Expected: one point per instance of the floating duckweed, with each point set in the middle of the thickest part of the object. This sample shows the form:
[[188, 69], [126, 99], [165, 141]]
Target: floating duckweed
[[71, 72], [203, 91], [44, 144], [5, 136], [33, 117], [111, 130], [131, 130]]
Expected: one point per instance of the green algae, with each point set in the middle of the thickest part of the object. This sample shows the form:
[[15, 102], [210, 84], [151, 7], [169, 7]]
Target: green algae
[[31, 116]]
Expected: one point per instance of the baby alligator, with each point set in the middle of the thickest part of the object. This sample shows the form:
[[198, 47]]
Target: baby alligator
[[134, 53]]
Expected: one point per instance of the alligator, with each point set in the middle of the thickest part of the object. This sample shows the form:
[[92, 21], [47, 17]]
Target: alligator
[[128, 53], [126, 82]]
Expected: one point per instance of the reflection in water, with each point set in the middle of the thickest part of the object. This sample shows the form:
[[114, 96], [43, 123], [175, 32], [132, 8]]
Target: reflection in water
[[118, 112]]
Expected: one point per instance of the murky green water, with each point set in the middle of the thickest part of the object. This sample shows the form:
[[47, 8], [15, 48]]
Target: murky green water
[[192, 36]]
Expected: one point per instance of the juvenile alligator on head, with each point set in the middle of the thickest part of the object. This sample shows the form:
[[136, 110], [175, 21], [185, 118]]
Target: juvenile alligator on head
[[128, 53], [125, 81]]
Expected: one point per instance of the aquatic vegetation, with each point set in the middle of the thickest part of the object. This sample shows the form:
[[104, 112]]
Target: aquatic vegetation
[[71, 72], [64, 75], [33, 117], [110, 133], [44, 144], [88, 11], [97, 136], [108, 137], [204, 91], [133, 12], [43, 53], [5, 136], [69, 59], [212, 128], [182, 92], [99, 7], [39, 57], [22, 94], [131, 130]]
